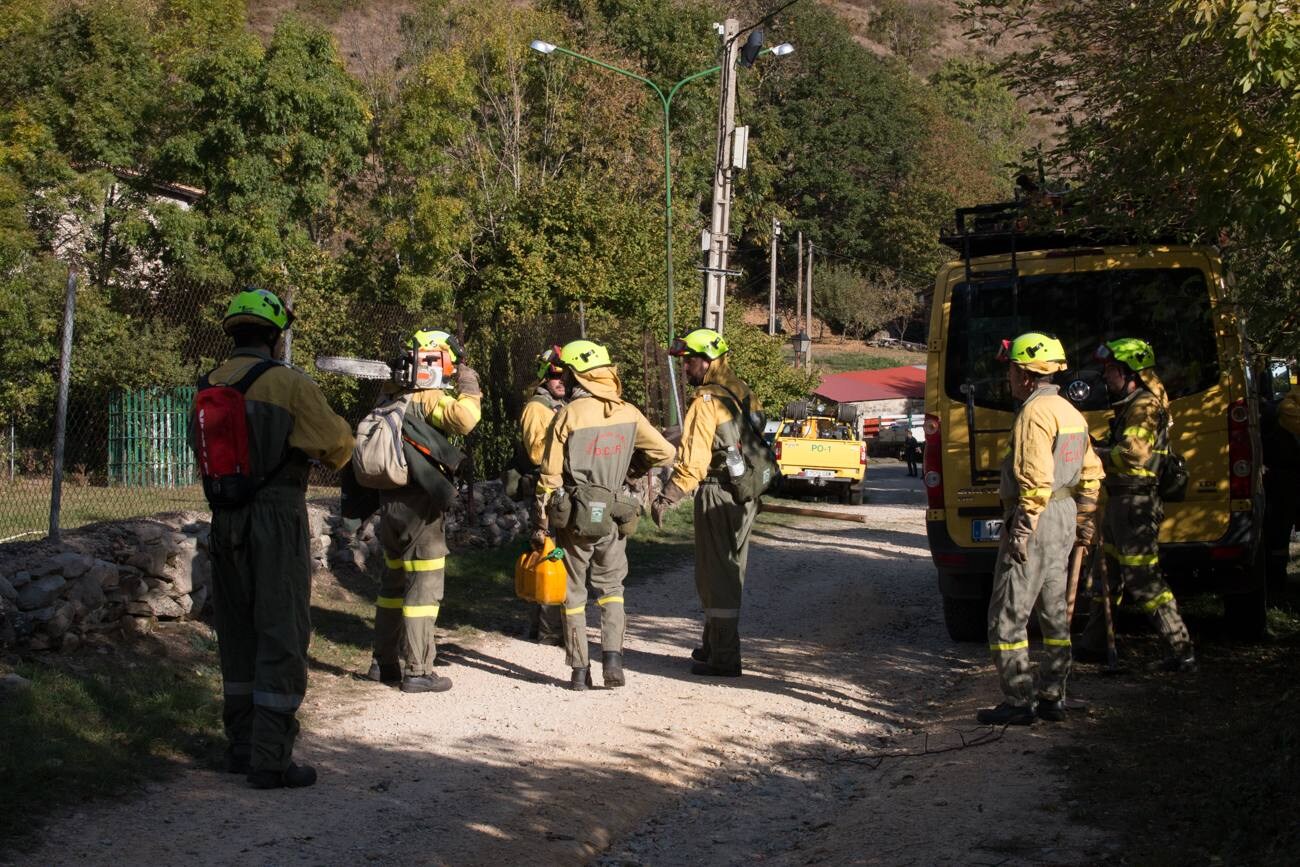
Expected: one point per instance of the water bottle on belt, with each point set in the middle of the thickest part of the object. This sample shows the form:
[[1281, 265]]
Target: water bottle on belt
[[735, 462]]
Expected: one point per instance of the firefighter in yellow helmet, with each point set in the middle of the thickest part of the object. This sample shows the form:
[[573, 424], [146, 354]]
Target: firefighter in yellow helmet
[[582, 498], [722, 525], [544, 404], [412, 527], [1049, 488], [261, 562], [1133, 455]]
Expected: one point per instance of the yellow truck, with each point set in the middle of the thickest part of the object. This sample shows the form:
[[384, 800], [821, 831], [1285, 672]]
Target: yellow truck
[[817, 451], [1007, 281]]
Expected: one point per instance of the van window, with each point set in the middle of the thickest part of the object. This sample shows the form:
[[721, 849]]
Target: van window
[[1168, 307]]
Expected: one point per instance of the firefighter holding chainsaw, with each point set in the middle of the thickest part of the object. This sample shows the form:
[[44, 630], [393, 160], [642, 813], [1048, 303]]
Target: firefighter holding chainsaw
[[582, 498], [411, 521], [256, 425], [1049, 488], [1133, 455]]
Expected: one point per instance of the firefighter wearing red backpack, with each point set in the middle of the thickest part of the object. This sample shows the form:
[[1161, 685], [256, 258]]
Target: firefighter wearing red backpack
[[411, 522], [256, 424]]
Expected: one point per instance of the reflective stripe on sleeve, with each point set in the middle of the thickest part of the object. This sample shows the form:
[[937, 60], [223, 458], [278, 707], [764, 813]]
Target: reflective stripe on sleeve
[[1139, 433], [276, 700], [1015, 645], [388, 602], [1072, 430], [420, 610], [606, 600], [1163, 599], [1118, 462], [440, 409], [1131, 559], [1030, 493]]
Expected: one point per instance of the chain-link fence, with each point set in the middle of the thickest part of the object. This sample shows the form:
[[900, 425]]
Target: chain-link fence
[[127, 450]]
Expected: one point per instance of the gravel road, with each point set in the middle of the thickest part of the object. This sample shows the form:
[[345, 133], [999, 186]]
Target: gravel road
[[846, 661]]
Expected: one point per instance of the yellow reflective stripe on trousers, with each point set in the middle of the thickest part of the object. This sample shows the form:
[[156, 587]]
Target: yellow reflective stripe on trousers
[[1163, 599], [580, 609], [1015, 645], [605, 600], [420, 610], [1131, 559], [416, 565], [1056, 642], [388, 602], [1140, 433]]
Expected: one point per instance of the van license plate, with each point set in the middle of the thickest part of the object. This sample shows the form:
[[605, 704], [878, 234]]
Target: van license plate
[[985, 531]]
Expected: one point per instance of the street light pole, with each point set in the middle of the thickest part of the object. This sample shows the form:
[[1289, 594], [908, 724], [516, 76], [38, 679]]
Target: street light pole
[[666, 103]]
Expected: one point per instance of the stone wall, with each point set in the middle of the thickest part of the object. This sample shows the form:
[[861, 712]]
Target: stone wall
[[120, 578]]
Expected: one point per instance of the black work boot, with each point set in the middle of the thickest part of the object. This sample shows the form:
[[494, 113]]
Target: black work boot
[[382, 673], [581, 679], [611, 662], [292, 777], [1079, 653], [700, 654], [238, 763], [1181, 661], [1006, 714], [708, 669], [426, 683], [1050, 709]]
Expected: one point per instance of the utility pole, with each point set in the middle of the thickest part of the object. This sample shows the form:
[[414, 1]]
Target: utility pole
[[798, 289], [730, 156], [807, 358], [771, 288]]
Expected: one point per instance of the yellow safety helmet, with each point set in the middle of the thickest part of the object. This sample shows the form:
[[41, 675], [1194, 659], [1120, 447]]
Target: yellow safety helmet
[[1035, 351], [701, 341], [1133, 352], [257, 307], [581, 356]]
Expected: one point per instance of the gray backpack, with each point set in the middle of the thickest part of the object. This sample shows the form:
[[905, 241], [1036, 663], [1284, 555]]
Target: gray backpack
[[378, 459]]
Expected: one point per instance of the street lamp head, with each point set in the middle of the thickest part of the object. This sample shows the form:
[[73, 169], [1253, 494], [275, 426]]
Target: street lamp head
[[543, 47], [783, 49]]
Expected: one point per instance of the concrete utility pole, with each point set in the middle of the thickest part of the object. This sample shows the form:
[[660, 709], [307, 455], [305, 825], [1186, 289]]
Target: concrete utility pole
[[730, 156], [798, 289], [771, 289], [807, 358]]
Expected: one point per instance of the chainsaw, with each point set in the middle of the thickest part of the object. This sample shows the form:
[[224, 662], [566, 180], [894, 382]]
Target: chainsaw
[[413, 369]]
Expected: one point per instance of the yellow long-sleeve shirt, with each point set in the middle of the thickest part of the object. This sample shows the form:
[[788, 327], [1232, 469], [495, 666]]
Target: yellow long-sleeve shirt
[[450, 413], [535, 424], [1050, 451], [711, 409]]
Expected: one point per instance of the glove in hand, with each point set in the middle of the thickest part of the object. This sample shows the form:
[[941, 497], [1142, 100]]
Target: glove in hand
[[671, 496], [538, 539], [467, 381]]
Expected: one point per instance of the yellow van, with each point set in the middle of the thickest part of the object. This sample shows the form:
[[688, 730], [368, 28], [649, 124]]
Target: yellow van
[[1007, 282]]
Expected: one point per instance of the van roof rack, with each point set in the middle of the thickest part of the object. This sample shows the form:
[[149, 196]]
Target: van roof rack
[[1001, 228]]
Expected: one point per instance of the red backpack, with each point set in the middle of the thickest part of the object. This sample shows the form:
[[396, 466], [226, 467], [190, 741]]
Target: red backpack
[[221, 440]]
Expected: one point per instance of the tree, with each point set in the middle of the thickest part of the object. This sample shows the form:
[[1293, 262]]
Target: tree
[[858, 303], [1174, 118]]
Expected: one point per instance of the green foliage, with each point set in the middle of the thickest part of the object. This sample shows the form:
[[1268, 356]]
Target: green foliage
[[857, 304], [758, 359], [1175, 119], [908, 29]]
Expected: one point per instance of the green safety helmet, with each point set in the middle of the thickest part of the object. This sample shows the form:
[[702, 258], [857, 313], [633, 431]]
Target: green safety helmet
[[435, 339], [549, 365], [1035, 351], [701, 341], [257, 307], [1136, 354], [581, 356]]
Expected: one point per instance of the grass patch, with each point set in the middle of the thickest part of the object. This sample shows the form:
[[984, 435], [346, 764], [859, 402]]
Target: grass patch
[[844, 361], [95, 726]]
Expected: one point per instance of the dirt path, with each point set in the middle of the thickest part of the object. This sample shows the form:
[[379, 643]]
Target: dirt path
[[846, 658]]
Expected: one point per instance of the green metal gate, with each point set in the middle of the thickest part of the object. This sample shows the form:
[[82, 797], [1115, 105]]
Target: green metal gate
[[148, 438]]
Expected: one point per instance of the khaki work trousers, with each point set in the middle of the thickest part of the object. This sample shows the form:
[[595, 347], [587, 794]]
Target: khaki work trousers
[[602, 563], [722, 531], [1131, 531], [1016, 587], [412, 533], [261, 588]]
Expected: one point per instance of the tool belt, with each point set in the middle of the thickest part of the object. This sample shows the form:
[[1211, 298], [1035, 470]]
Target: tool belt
[[592, 511]]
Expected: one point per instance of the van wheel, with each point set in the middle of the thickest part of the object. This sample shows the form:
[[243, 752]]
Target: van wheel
[[856, 495], [1246, 614], [966, 619]]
